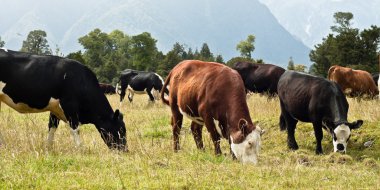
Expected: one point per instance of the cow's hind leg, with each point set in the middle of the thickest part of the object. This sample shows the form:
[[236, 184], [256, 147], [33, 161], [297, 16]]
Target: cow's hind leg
[[176, 122], [318, 136], [196, 129], [149, 92], [53, 125], [290, 123]]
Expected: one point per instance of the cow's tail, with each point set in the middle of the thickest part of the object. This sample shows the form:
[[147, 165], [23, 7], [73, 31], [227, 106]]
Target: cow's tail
[[165, 91], [329, 73]]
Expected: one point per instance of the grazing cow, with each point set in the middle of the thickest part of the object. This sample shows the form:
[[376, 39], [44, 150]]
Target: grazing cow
[[139, 82], [212, 94], [353, 82], [67, 89], [318, 101], [260, 78], [107, 88]]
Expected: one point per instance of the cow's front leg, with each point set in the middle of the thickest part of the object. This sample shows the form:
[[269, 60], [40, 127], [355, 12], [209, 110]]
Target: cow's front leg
[[318, 136]]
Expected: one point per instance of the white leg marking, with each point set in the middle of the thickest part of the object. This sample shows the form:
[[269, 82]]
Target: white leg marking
[[75, 133], [51, 137]]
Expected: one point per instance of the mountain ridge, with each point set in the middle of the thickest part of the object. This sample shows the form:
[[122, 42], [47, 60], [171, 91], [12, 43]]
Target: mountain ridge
[[220, 24]]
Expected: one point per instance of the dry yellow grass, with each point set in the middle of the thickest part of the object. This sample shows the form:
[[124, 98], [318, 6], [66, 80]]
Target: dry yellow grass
[[151, 164]]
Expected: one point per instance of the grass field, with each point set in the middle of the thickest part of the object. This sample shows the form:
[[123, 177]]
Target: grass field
[[151, 163]]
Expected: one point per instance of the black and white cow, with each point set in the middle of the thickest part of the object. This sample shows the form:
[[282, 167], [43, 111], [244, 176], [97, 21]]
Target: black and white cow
[[318, 101], [139, 82], [67, 89]]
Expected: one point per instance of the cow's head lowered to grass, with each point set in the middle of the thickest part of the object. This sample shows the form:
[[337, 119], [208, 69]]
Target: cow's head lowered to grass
[[246, 146], [341, 133]]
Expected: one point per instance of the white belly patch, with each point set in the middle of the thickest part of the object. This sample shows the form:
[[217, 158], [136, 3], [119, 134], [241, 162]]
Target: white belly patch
[[197, 120], [53, 105]]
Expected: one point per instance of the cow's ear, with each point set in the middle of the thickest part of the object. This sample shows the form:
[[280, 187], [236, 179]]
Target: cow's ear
[[116, 115], [328, 124], [356, 124]]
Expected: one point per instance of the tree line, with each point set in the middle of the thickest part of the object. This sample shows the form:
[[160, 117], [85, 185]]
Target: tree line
[[109, 53]]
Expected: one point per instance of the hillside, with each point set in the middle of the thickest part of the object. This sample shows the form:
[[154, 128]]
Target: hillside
[[221, 24]]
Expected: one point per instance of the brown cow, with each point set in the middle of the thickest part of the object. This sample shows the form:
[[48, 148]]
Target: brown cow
[[207, 93], [353, 82]]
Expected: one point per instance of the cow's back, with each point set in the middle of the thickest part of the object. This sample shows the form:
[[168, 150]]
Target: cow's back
[[195, 82]]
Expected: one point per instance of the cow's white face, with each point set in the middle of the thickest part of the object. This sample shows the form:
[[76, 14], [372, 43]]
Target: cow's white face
[[248, 150], [340, 138]]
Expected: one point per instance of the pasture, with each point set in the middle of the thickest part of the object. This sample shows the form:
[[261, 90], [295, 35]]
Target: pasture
[[151, 163]]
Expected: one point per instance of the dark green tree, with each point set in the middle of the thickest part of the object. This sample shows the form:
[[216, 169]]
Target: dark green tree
[[36, 43], [106, 54], [342, 21], [172, 58], [234, 60], [321, 56], [246, 47], [205, 53], [219, 59], [144, 52], [77, 56]]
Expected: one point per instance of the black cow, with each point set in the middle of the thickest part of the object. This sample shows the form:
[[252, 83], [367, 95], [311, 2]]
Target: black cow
[[69, 90], [318, 101], [259, 78], [139, 82]]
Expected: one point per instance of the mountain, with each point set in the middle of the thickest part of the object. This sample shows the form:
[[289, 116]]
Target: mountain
[[219, 23], [310, 22]]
